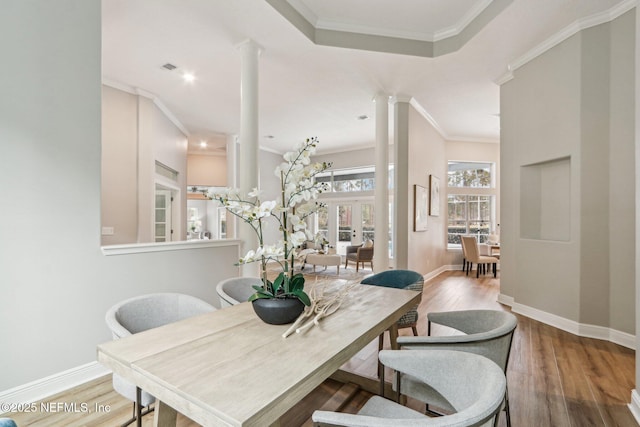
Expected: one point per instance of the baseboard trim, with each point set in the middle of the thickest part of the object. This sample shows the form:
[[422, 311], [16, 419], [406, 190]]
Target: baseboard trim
[[581, 329], [432, 274], [56, 383], [634, 406]]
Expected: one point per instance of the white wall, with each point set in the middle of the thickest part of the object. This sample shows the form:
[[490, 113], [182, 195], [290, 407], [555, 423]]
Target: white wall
[[574, 102], [135, 134], [55, 283], [206, 170], [427, 249]]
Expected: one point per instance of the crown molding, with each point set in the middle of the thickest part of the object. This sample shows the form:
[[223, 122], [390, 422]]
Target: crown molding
[[569, 31], [424, 113], [158, 103], [445, 33], [335, 34]]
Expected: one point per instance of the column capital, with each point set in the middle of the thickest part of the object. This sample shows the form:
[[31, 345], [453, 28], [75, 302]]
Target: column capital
[[380, 96], [250, 46], [401, 98]]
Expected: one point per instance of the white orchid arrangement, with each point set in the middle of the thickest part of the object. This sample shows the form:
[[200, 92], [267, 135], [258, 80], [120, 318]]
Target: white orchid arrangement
[[298, 190]]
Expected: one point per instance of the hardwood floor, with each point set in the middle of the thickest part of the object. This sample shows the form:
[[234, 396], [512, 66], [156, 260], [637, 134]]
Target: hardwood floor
[[555, 378]]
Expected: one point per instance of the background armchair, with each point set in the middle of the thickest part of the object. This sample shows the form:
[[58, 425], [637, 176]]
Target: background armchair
[[489, 333], [473, 384], [359, 254], [140, 314]]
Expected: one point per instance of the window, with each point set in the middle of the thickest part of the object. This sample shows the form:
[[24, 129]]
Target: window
[[469, 174], [468, 215], [341, 181]]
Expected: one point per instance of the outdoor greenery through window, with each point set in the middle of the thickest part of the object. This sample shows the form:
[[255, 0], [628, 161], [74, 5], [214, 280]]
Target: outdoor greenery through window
[[468, 215], [469, 174], [351, 180]]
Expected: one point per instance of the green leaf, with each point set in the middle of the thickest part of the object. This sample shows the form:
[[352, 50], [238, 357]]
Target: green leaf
[[277, 284], [302, 296], [259, 295], [297, 283]]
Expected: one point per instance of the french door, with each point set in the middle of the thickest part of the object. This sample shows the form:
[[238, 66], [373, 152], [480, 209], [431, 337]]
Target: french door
[[347, 223]]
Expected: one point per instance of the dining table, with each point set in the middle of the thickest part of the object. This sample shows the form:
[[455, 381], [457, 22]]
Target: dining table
[[229, 368]]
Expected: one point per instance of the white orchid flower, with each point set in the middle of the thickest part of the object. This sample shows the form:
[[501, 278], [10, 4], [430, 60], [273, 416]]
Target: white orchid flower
[[266, 208], [254, 193], [297, 238]]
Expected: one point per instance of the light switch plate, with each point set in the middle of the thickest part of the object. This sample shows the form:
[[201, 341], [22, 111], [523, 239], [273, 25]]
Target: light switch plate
[[107, 231]]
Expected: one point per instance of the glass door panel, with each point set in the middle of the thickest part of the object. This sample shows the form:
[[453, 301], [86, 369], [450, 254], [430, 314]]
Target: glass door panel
[[345, 228]]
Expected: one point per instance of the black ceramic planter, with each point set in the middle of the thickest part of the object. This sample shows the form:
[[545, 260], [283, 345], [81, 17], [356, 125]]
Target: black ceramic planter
[[278, 311]]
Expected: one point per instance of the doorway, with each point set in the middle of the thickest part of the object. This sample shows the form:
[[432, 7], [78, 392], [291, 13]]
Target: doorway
[[345, 223]]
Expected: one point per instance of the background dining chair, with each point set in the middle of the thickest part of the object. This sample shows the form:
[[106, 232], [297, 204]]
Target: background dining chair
[[400, 279], [140, 314], [488, 333], [464, 255], [472, 384], [236, 290], [473, 256], [359, 254]]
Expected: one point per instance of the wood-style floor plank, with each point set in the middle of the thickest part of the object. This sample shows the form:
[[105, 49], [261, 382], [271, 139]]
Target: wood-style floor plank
[[555, 379]]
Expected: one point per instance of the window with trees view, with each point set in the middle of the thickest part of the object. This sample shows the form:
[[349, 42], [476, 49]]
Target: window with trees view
[[470, 200], [469, 174], [468, 215]]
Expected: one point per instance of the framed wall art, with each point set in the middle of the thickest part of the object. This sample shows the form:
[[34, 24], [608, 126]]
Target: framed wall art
[[420, 208], [434, 195]]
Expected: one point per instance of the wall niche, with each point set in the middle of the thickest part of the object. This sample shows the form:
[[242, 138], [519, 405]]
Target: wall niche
[[545, 200]]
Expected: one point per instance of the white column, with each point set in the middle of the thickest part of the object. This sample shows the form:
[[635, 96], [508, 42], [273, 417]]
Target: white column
[[402, 204], [248, 176], [232, 180], [381, 202], [634, 406]]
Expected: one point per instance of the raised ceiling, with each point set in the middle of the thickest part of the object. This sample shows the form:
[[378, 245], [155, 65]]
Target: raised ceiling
[[317, 89]]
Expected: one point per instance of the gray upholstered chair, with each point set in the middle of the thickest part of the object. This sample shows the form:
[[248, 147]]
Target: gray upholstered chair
[[472, 384], [488, 333], [400, 279], [359, 254], [472, 255], [140, 314], [236, 290]]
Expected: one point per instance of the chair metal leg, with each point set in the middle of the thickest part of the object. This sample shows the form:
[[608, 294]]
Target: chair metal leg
[[428, 327], [138, 406], [138, 411]]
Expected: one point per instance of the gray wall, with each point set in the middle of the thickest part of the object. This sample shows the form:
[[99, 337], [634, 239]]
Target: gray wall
[[55, 283], [572, 108]]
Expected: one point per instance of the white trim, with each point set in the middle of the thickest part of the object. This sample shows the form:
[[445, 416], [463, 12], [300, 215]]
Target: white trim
[[423, 112], [565, 33], [505, 300], [580, 329], [56, 383], [634, 406], [158, 103], [432, 274], [455, 29], [140, 248]]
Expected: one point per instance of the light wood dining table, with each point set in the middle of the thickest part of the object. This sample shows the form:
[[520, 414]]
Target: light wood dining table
[[228, 368]]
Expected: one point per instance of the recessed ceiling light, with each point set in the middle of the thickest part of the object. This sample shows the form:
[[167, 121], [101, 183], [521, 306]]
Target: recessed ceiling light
[[203, 144], [363, 117], [169, 66], [188, 77], [269, 136]]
